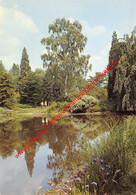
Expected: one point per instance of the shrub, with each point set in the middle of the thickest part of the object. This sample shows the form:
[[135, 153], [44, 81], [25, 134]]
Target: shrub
[[83, 104], [95, 108]]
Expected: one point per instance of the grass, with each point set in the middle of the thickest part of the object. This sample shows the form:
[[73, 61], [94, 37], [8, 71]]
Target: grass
[[118, 149], [109, 166], [6, 114]]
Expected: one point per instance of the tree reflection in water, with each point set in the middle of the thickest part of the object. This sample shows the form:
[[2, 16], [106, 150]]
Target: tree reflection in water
[[65, 138]]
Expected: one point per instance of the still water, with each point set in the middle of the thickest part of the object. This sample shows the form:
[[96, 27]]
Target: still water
[[50, 157]]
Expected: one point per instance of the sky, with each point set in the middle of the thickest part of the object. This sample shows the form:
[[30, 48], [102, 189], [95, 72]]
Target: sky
[[24, 23]]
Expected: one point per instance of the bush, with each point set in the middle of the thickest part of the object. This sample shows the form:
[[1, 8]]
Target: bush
[[83, 104], [95, 108]]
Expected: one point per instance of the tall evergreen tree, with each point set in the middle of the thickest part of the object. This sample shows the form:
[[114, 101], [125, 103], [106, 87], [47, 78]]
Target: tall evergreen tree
[[7, 92], [29, 89], [15, 71], [24, 66]]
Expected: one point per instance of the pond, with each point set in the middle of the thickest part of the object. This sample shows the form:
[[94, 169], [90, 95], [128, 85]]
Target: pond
[[51, 156]]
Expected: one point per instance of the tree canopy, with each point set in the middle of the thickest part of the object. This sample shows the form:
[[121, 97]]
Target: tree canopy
[[24, 66], [7, 92], [122, 77], [64, 52], [15, 70]]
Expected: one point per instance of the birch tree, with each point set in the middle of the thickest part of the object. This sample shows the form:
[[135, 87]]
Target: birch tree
[[64, 51]]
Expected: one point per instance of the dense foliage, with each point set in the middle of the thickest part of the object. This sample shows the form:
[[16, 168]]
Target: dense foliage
[[63, 56], [65, 71], [100, 83], [83, 104], [122, 77], [24, 66], [7, 92], [29, 89]]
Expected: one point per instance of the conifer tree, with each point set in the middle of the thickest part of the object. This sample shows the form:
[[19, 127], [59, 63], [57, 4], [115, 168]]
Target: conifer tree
[[29, 89], [15, 71], [7, 92], [24, 66]]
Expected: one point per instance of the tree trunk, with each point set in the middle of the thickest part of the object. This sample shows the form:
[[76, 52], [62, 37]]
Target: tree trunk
[[66, 81]]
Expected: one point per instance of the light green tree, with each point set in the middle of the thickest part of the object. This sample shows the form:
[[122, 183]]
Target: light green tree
[[64, 50]]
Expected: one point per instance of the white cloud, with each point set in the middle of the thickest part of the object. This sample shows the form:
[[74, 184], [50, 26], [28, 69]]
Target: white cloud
[[90, 31], [14, 21], [1, 13], [7, 59], [16, 6], [14, 27], [93, 31], [106, 50]]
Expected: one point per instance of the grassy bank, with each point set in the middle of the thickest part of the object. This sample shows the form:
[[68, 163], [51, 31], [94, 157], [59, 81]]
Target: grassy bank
[[6, 114], [109, 165]]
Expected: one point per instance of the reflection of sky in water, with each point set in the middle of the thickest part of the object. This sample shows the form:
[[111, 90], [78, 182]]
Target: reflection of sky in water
[[98, 139], [62, 139], [14, 176]]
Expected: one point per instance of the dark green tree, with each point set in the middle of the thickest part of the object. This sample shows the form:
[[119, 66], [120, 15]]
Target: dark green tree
[[48, 86], [40, 75], [122, 77], [7, 92], [24, 66], [29, 89], [15, 71], [64, 51]]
